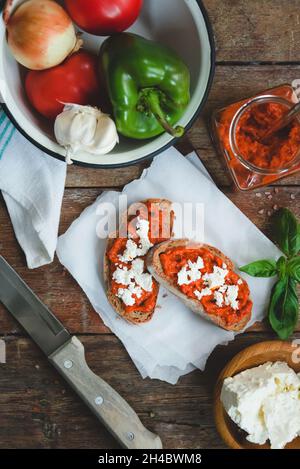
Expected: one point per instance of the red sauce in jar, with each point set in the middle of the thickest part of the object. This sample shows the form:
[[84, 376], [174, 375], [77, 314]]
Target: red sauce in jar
[[272, 157], [280, 148]]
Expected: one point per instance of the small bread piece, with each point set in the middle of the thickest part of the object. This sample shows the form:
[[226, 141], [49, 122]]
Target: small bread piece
[[134, 317], [155, 268]]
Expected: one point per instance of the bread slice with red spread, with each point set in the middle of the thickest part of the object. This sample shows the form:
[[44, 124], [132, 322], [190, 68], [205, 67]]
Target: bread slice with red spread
[[131, 289], [204, 279]]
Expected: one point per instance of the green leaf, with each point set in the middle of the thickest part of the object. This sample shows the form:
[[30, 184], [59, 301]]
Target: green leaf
[[281, 266], [263, 268], [293, 268], [284, 308], [287, 232]]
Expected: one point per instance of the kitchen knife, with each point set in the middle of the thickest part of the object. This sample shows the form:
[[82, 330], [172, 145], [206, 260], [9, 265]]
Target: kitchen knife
[[66, 353]]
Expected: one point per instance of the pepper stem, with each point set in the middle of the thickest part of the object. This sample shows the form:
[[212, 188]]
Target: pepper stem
[[151, 101]]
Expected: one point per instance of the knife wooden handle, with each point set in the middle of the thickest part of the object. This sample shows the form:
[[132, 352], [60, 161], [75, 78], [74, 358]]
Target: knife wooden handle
[[110, 408]]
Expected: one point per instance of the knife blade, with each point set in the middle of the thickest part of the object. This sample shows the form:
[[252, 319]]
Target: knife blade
[[38, 321], [66, 353]]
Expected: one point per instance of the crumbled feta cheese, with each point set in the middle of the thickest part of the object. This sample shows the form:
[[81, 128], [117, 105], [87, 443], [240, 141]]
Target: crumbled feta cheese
[[216, 278], [126, 296], [141, 278], [219, 299], [122, 275], [264, 402], [130, 252], [190, 272], [204, 292], [232, 292], [135, 290], [142, 230], [199, 262], [136, 274], [142, 227], [214, 283], [133, 249], [137, 266], [135, 279], [223, 289]]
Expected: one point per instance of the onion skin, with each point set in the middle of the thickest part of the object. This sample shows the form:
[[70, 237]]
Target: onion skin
[[40, 34]]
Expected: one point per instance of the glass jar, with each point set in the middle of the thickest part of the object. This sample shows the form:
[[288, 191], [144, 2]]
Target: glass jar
[[237, 129]]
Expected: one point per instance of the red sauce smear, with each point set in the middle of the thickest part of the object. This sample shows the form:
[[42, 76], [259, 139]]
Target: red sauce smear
[[280, 149], [175, 258], [158, 219]]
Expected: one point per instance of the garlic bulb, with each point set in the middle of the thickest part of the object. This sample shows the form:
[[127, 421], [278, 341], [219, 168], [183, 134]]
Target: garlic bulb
[[85, 128]]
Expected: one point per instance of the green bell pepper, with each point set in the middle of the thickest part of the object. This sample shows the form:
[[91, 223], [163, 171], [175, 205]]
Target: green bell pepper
[[148, 85]]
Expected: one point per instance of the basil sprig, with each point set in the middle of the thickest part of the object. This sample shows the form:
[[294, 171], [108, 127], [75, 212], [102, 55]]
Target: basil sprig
[[293, 268], [283, 311], [287, 232], [264, 268]]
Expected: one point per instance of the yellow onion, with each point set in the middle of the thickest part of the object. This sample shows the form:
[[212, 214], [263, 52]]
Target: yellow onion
[[40, 33]]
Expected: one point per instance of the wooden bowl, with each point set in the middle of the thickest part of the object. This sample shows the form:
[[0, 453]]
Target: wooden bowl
[[252, 356]]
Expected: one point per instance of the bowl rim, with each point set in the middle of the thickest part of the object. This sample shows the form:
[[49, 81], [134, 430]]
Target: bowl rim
[[156, 152]]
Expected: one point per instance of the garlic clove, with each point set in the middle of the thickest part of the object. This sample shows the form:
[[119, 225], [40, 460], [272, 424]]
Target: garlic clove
[[106, 135], [83, 128]]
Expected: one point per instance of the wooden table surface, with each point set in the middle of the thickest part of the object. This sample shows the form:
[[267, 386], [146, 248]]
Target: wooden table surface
[[257, 47]]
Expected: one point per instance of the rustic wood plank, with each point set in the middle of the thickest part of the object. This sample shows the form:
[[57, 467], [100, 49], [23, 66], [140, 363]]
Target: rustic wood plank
[[38, 409], [256, 31], [231, 84], [61, 293]]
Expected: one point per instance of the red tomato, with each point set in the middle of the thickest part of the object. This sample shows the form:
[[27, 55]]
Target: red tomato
[[104, 17], [73, 81]]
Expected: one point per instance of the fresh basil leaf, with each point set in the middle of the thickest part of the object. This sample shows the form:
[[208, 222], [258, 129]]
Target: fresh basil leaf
[[283, 309], [287, 232], [281, 266], [263, 268], [293, 268]]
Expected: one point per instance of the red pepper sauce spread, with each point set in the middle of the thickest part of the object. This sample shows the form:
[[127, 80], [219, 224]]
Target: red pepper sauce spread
[[280, 149], [160, 222], [174, 259], [246, 178]]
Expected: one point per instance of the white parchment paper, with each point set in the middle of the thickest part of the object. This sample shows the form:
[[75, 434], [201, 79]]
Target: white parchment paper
[[175, 341]]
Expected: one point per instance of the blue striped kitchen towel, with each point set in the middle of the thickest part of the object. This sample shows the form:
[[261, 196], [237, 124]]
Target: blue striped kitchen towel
[[6, 132], [32, 184]]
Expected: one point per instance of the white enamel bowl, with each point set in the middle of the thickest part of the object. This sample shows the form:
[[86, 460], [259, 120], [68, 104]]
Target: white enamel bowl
[[180, 24]]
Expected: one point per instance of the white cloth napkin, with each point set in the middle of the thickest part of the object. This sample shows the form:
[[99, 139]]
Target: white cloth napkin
[[176, 340], [32, 184]]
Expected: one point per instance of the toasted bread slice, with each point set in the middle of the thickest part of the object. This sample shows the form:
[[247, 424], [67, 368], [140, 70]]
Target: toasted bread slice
[[135, 317], [155, 268]]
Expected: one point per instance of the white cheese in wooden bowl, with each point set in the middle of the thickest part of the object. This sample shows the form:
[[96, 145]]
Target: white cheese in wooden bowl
[[265, 402]]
